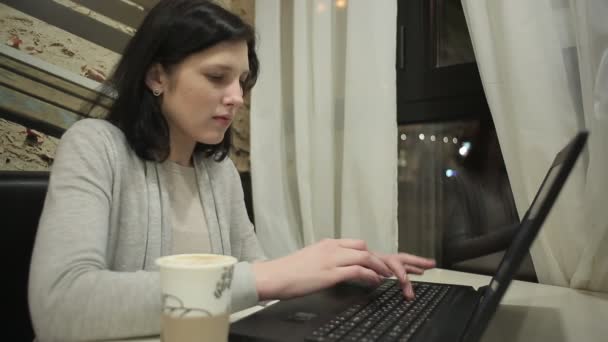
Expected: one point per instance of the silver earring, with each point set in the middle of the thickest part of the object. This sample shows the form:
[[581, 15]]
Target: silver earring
[[156, 92]]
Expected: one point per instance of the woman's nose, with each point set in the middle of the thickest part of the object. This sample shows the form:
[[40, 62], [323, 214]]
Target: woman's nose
[[234, 94]]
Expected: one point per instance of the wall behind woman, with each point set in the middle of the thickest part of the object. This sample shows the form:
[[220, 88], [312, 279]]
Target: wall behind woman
[[44, 51]]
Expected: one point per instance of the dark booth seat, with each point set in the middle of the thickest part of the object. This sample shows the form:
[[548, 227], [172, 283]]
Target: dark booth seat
[[22, 196]]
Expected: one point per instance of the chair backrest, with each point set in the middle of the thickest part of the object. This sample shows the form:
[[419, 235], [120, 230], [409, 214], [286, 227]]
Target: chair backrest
[[22, 196]]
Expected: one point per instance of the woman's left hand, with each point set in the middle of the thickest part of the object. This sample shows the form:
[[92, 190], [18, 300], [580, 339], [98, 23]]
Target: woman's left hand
[[401, 264]]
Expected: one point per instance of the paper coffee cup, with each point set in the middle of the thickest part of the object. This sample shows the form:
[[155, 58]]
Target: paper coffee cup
[[195, 293]]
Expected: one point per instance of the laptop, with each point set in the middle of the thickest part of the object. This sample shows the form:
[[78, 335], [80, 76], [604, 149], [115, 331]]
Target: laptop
[[440, 312]]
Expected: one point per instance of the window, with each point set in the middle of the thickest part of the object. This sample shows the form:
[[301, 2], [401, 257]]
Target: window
[[452, 181]]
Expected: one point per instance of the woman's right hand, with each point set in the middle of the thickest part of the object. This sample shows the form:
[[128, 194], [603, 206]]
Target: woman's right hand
[[318, 266]]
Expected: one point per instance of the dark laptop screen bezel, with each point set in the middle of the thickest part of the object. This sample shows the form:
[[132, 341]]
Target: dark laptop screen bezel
[[529, 227]]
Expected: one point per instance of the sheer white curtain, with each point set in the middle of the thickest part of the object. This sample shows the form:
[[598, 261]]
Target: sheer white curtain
[[544, 66], [323, 123]]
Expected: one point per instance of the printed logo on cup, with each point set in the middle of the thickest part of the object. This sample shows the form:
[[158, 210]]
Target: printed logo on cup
[[174, 306]]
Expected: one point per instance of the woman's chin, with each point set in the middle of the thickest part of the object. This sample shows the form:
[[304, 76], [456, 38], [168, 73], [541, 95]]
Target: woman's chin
[[211, 140]]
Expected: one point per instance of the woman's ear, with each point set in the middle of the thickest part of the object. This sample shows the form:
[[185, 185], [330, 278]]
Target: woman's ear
[[156, 79]]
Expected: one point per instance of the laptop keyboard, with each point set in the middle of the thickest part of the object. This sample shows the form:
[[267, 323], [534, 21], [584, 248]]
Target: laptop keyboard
[[386, 316]]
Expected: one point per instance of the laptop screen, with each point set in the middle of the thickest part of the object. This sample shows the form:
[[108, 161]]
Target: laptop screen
[[527, 232], [543, 192]]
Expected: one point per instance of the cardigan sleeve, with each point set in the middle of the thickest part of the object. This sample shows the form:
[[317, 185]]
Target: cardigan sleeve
[[73, 296]]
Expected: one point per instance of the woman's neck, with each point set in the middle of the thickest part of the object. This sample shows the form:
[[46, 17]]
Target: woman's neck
[[181, 160], [181, 150]]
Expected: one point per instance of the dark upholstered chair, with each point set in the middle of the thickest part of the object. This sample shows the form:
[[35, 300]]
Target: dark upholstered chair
[[22, 196], [482, 254], [480, 221]]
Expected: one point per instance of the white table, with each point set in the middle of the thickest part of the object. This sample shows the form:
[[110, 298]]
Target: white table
[[528, 312], [535, 312]]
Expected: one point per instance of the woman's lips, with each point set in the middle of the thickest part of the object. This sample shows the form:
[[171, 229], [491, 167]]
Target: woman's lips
[[223, 120]]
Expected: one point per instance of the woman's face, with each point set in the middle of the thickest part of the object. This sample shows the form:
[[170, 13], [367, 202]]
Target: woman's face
[[201, 95]]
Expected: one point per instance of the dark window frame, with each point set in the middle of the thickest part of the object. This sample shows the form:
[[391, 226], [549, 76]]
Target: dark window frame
[[425, 92]]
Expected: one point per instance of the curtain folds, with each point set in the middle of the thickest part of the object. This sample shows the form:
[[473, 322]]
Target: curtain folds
[[545, 73], [323, 124]]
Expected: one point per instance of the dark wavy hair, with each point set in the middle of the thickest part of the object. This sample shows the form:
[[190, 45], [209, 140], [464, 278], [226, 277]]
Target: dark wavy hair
[[172, 30]]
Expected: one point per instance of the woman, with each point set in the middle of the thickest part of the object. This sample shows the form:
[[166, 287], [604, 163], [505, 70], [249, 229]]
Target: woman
[[153, 179]]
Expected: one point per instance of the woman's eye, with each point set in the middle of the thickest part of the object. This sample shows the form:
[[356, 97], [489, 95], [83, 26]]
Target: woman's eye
[[215, 77]]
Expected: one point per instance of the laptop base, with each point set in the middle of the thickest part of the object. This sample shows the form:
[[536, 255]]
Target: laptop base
[[296, 319]]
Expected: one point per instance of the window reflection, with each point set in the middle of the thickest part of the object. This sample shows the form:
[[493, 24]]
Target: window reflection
[[453, 44], [452, 185]]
